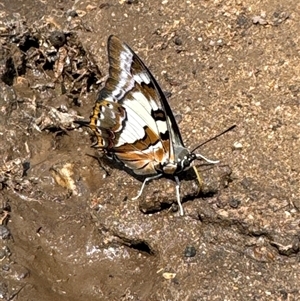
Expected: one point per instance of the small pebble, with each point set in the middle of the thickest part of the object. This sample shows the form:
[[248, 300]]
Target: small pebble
[[237, 145], [71, 13], [234, 203], [57, 39], [220, 42], [190, 251], [259, 20], [178, 41], [169, 276]]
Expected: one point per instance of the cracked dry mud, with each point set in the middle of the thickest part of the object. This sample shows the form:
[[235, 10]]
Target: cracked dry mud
[[68, 227]]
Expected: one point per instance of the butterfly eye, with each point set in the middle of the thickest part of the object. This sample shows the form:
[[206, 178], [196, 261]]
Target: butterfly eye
[[186, 162]]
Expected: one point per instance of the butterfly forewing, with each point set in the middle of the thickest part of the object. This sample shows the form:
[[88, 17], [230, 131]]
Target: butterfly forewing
[[132, 119]]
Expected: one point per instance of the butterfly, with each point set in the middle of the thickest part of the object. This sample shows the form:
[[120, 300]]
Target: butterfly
[[134, 124]]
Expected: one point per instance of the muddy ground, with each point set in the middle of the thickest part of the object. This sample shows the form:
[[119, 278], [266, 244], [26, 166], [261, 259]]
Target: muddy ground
[[69, 229]]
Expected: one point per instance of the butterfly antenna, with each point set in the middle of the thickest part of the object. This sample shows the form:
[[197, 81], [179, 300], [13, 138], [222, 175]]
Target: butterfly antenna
[[215, 137]]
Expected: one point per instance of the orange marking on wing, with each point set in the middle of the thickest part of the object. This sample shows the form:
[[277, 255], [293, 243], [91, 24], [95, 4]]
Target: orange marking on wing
[[94, 117], [150, 138], [144, 158], [139, 162], [110, 125]]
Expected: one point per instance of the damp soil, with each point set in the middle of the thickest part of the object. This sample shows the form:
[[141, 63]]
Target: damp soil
[[69, 229]]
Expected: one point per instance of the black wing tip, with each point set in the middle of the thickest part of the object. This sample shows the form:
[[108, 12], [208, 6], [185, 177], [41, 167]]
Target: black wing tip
[[113, 39], [112, 36]]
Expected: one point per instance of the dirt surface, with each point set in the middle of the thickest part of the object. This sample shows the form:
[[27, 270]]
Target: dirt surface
[[69, 229]]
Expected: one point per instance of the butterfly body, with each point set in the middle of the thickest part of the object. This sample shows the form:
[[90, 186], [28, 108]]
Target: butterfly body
[[133, 121]]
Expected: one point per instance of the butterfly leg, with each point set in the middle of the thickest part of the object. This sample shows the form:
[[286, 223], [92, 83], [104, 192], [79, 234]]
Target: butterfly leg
[[144, 183], [178, 195]]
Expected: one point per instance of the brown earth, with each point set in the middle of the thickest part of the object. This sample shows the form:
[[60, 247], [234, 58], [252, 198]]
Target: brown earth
[[68, 226]]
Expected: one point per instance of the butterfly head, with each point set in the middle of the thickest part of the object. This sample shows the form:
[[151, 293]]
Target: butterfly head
[[182, 161], [185, 162]]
